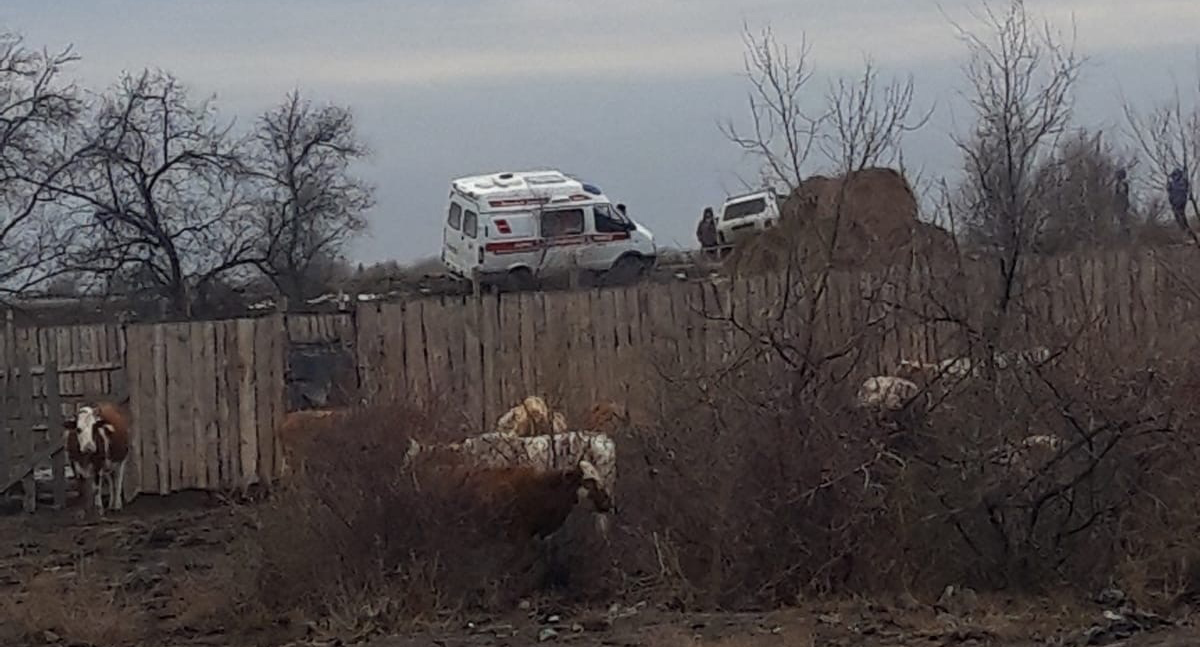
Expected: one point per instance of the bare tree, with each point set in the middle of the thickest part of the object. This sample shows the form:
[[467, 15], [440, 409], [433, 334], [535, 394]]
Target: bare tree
[[1079, 205], [36, 110], [313, 205], [1168, 136], [159, 189], [1021, 78], [781, 132], [867, 119]]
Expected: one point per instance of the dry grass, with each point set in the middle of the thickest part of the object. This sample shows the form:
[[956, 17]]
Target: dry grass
[[79, 609]]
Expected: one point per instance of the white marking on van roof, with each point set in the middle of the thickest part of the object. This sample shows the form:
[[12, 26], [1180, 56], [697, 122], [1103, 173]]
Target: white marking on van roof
[[546, 183]]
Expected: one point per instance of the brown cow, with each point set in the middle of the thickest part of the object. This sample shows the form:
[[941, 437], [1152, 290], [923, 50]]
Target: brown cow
[[607, 417], [526, 501], [97, 445], [300, 428]]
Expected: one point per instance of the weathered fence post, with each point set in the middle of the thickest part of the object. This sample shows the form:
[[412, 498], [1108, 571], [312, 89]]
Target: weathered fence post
[[25, 410], [53, 416]]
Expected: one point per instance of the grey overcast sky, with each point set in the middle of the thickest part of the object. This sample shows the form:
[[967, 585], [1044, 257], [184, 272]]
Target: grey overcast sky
[[626, 93]]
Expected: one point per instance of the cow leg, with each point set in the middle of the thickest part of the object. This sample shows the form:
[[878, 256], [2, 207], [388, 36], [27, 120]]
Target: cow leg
[[118, 492], [98, 493], [602, 525], [108, 480]]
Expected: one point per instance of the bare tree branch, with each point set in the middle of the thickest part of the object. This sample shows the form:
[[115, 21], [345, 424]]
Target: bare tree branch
[[311, 205], [1168, 136], [161, 192], [1021, 80], [781, 134], [867, 121], [37, 109]]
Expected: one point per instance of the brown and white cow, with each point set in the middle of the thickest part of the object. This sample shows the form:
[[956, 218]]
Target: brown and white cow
[[97, 445]]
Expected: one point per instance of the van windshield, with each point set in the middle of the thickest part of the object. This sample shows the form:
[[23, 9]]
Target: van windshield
[[744, 208]]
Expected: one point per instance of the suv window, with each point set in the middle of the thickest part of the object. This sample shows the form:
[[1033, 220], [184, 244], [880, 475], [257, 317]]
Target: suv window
[[744, 208], [562, 222], [455, 219], [609, 220], [470, 224]]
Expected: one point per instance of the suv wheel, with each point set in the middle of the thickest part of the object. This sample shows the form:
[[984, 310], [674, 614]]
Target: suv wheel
[[628, 269], [519, 280]]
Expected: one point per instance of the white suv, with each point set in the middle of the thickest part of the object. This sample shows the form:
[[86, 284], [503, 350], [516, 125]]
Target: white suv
[[746, 214]]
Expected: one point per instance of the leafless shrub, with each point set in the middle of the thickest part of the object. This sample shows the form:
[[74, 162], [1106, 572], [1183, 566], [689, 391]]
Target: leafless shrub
[[1168, 137], [1080, 202], [80, 610], [763, 494], [354, 529]]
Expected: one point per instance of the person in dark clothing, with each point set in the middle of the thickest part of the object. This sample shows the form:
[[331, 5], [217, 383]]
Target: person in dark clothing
[[1179, 190], [706, 231], [1121, 199]]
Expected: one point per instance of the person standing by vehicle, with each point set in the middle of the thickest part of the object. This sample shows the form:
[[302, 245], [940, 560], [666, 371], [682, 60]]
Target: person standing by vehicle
[[706, 232], [1121, 200], [1179, 190]]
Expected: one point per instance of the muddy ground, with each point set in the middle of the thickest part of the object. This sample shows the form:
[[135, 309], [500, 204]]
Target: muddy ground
[[166, 572]]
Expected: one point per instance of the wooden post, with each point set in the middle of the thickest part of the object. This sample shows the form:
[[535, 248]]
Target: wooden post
[[25, 427], [53, 417], [7, 399]]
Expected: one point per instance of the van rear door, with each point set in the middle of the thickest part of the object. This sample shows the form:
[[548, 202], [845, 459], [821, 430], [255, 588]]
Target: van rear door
[[452, 239]]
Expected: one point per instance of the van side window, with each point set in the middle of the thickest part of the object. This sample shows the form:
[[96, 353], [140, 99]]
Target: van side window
[[608, 221], [562, 222], [470, 225], [455, 219]]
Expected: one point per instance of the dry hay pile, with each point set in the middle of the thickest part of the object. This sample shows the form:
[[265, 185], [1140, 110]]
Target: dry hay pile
[[877, 226]]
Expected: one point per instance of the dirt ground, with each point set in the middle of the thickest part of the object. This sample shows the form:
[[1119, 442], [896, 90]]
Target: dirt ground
[[165, 572]]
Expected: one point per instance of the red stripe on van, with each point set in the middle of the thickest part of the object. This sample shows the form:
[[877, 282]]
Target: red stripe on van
[[608, 238], [512, 246], [566, 241]]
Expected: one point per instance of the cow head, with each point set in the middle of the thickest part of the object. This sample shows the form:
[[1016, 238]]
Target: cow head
[[591, 488], [84, 425]]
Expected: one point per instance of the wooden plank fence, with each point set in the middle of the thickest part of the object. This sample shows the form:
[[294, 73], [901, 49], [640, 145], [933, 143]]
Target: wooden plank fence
[[206, 397]]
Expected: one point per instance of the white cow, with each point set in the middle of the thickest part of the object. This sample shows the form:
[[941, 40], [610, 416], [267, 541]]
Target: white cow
[[886, 392]]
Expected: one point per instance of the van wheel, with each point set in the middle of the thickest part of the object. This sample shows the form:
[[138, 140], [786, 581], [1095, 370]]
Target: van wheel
[[628, 269], [519, 280]]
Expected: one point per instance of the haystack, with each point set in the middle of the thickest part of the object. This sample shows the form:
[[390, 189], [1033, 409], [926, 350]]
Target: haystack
[[877, 226]]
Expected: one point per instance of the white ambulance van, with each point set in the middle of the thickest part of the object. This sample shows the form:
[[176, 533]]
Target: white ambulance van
[[515, 228]]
